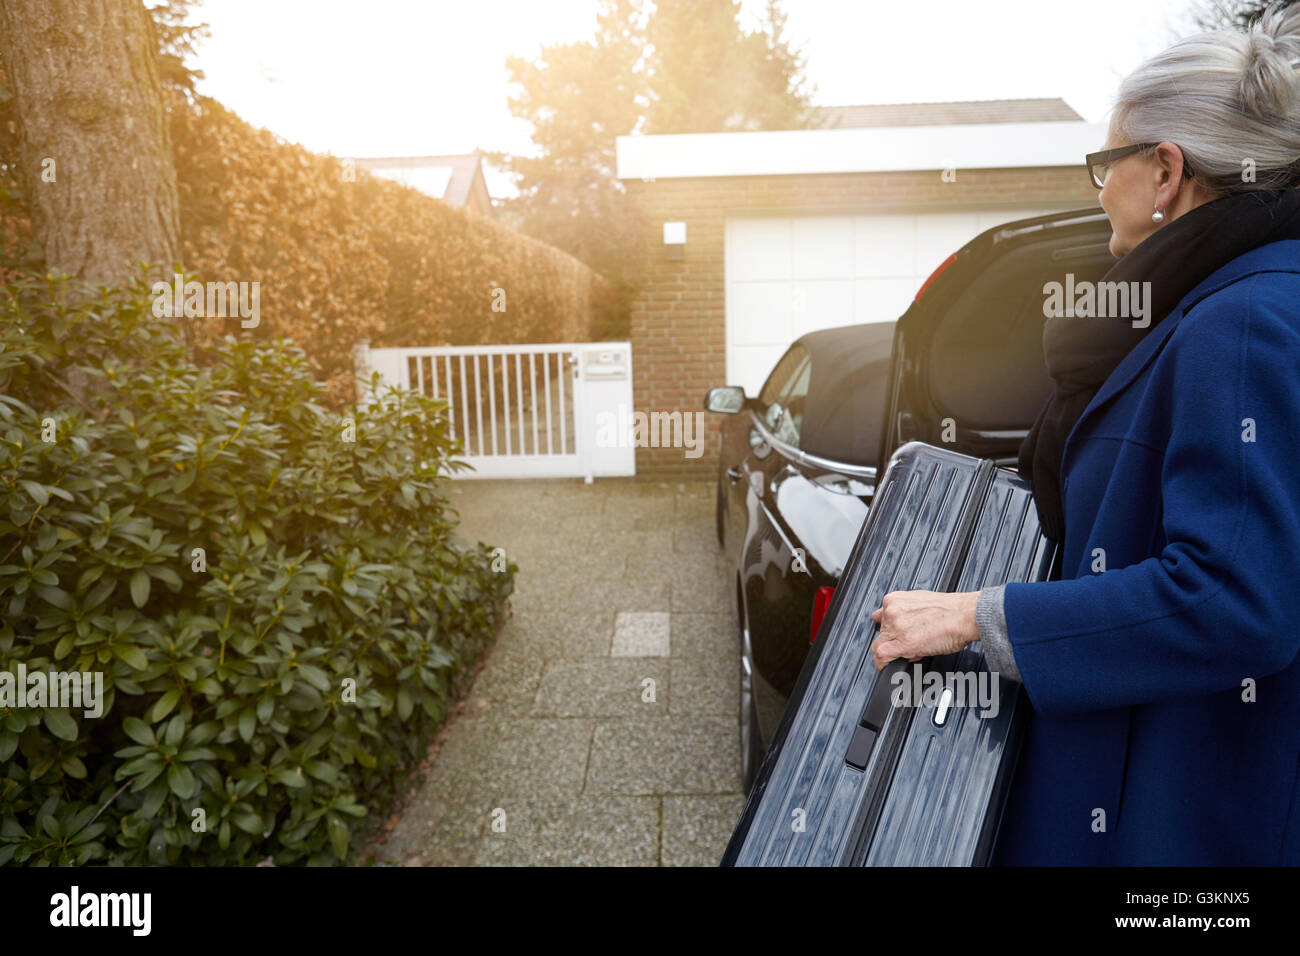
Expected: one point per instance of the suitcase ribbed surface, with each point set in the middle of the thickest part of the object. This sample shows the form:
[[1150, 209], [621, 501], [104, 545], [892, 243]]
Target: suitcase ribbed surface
[[927, 793]]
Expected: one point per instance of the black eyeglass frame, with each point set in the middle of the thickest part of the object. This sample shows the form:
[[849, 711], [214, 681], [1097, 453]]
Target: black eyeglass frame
[[1106, 157]]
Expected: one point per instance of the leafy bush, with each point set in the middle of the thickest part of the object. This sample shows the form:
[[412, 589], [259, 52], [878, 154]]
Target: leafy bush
[[226, 689]]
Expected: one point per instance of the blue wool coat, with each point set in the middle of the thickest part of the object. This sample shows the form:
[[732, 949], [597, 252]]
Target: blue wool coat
[[1165, 681]]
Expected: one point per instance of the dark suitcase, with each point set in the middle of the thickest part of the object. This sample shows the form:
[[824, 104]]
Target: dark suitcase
[[852, 780]]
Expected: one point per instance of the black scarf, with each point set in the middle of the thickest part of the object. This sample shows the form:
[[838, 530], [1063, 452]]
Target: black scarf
[[1082, 352]]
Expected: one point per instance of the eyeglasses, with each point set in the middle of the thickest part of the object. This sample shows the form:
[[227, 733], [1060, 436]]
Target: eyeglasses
[[1099, 163]]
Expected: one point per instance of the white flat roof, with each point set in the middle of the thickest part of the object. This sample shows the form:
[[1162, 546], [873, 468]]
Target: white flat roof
[[879, 149]]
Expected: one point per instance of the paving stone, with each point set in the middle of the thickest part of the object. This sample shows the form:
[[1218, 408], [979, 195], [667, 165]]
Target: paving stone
[[602, 688], [552, 599], [659, 564], [540, 560], [710, 635], [638, 541], [506, 685], [653, 522], [571, 530], [590, 831], [534, 583], [577, 581], [700, 593], [625, 595], [491, 758], [529, 540], [641, 634], [546, 634], [704, 686], [677, 564], [656, 489], [643, 512], [436, 830], [705, 488], [568, 499], [696, 828], [693, 511], [672, 755], [561, 487], [701, 537]]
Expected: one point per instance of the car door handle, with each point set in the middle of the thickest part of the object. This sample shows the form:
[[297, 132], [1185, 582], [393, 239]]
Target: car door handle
[[734, 474], [789, 471]]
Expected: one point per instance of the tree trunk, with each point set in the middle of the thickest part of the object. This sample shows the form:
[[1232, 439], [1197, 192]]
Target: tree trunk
[[93, 142]]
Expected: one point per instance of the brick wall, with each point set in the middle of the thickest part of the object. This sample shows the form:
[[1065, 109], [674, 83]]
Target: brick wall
[[678, 320]]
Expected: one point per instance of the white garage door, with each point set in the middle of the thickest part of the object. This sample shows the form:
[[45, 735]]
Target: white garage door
[[790, 275]]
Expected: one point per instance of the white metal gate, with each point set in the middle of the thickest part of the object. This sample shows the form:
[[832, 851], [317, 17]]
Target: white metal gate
[[525, 411]]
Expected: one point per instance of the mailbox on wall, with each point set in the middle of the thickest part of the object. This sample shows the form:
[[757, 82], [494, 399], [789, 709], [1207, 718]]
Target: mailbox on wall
[[605, 372]]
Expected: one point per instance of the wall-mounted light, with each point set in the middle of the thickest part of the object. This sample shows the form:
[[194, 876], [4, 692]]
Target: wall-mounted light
[[675, 240]]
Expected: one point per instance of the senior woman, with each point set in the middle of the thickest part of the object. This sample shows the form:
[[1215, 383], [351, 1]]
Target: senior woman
[[1162, 664]]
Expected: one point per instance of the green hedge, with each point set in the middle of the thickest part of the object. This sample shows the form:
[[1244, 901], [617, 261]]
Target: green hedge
[[343, 255], [328, 561]]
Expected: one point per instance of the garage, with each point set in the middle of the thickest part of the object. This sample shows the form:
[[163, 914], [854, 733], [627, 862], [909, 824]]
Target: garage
[[787, 275], [754, 237]]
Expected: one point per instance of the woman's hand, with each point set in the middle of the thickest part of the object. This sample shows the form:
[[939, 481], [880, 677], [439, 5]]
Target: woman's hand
[[917, 624]]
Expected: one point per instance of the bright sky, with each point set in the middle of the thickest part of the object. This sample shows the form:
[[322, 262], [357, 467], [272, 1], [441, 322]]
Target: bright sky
[[420, 77]]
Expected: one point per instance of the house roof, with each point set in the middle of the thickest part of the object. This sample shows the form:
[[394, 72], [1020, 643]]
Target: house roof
[[975, 134], [1037, 110], [448, 177], [857, 150]]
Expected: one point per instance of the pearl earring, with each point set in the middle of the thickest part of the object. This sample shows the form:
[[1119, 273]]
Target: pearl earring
[[1157, 216]]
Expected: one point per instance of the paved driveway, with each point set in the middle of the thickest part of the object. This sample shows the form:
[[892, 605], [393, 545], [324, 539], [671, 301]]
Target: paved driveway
[[602, 729]]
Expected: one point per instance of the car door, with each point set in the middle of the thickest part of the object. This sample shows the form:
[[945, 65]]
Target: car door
[[801, 519], [746, 445]]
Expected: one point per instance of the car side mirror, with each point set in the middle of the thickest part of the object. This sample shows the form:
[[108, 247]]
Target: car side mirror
[[725, 399]]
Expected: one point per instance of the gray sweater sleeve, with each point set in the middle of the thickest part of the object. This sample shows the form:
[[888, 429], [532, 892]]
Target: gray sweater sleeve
[[991, 617]]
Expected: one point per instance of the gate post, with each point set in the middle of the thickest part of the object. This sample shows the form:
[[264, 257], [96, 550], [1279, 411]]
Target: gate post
[[361, 369]]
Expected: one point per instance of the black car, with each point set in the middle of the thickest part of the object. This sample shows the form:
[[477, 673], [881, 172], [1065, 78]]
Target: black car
[[797, 471], [962, 368]]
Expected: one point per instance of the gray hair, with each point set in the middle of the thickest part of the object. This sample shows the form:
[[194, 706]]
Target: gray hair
[[1229, 99]]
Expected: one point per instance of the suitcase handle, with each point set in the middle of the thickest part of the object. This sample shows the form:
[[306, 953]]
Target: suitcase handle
[[873, 717]]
